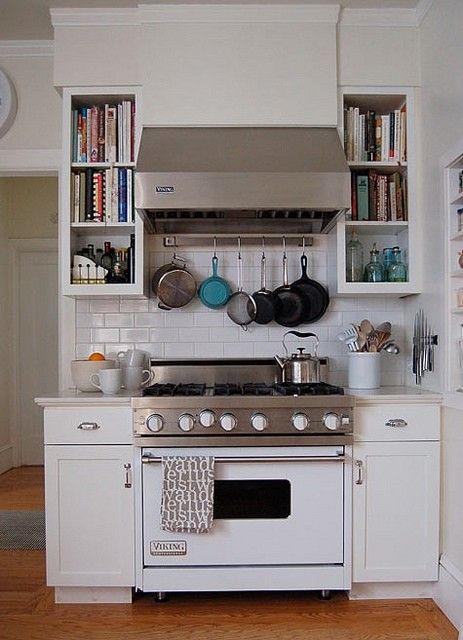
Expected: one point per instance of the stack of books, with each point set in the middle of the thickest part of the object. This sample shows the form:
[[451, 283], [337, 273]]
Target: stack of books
[[373, 137], [102, 195], [379, 197], [103, 133]]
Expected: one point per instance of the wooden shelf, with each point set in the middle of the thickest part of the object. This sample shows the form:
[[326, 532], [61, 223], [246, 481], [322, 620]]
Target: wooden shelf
[[457, 200], [101, 165], [457, 236], [457, 274], [457, 310], [393, 164]]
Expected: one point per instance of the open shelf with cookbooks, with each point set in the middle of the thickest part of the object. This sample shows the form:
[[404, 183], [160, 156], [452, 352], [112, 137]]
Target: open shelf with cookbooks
[[376, 242], [101, 233]]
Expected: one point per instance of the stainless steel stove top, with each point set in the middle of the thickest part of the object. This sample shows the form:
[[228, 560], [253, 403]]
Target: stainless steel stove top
[[237, 403]]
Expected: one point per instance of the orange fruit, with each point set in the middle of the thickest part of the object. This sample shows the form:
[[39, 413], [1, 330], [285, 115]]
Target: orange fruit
[[96, 356]]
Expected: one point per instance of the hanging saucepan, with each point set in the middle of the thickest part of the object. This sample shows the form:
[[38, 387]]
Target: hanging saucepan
[[173, 285], [264, 299], [314, 294], [214, 292], [289, 303]]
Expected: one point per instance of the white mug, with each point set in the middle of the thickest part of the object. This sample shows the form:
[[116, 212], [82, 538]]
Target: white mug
[[107, 380], [131, 358], [136, 377]]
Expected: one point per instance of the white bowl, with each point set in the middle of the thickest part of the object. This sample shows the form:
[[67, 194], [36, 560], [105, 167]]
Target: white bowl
[[81, 370]]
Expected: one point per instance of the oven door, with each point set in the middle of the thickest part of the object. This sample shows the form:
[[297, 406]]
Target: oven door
[[272, 506]]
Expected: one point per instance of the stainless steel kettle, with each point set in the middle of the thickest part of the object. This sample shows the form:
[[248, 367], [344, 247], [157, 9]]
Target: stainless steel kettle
[[300, 367]]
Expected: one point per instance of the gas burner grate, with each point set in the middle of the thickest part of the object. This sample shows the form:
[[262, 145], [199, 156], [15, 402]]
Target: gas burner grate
[[307, 389], [257, 389], [171, 389], [227, 389]]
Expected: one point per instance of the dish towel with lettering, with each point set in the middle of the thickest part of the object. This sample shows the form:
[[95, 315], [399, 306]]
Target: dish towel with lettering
[[187, 493]]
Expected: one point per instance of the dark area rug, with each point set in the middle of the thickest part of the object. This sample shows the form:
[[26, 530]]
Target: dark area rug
[[22, 530]]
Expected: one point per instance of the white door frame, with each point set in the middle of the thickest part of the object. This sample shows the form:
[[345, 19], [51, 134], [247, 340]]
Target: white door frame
[[15, 249]]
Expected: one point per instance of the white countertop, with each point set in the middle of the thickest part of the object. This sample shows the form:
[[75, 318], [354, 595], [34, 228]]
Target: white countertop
[[386, 395]]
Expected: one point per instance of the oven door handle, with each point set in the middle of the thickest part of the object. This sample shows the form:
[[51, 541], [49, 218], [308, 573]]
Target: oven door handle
[[340, 457]]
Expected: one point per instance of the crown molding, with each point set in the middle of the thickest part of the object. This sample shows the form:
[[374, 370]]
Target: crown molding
[[26, 48], [238, 13], [378, 18], [93, 17]]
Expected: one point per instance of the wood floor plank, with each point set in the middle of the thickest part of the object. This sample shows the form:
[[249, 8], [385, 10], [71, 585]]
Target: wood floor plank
[[28, 611]]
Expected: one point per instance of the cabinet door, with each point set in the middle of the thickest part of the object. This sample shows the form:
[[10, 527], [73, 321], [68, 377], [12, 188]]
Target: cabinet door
[[395, 511], [89, 515]]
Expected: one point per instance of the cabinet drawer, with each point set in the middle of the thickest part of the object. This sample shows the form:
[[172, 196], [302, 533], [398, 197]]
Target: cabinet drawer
[[397, 422], [89, 425]]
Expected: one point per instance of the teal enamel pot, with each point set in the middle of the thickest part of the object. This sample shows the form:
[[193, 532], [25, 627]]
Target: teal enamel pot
[[214, 292]]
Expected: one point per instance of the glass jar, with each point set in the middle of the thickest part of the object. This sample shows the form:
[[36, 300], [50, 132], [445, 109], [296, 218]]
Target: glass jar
[[397, 271], [374, 271], [388, 258], [354, 260]]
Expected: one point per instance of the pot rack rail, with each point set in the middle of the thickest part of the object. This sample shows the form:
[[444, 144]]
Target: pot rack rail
[[228, 241]]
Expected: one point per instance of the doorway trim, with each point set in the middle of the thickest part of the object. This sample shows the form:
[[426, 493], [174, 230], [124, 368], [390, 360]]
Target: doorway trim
[[16, 248]]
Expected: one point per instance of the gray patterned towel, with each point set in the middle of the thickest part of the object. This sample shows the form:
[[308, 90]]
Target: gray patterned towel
[[187, 493]]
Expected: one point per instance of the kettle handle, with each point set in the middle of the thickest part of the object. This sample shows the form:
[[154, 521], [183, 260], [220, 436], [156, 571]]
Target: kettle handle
[[301, 334]]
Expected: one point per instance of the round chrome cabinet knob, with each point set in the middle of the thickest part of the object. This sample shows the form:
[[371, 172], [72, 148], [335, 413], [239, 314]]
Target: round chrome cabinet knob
[[155, 422], [332, 421], [228, 421], [259, 421], [206, 418], [186, 422], [301, 421]]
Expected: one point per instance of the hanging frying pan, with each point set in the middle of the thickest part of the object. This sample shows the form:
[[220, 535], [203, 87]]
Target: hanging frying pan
[[264, 299], [314, 294], [289, 303]]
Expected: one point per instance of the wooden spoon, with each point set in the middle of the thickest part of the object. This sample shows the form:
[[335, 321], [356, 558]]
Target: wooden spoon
[[366, 327]]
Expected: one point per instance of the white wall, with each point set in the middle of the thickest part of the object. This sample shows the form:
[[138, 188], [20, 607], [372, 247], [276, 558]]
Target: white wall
[[441, 125]]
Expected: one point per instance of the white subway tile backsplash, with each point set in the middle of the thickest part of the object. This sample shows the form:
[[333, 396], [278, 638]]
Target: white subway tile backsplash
[[118, 320], [109, 305], [135, 335], [114, 324], [238, 350], [128, 305], [105, 335], [177, 350], [150, 319], [89, 320]]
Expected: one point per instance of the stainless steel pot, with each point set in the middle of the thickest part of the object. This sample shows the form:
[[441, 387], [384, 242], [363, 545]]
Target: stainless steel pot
[[300, 367], [173, 284]]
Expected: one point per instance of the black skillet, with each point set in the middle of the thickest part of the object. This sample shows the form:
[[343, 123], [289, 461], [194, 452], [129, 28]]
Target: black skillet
[[289, 303], [264, 299], [313, 293]]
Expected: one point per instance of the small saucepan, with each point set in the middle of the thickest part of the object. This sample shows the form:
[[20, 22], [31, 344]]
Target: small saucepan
[[214, 292], [173, 285]]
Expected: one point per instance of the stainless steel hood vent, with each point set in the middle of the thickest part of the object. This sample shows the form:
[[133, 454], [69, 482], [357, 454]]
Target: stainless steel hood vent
[[241, 180]]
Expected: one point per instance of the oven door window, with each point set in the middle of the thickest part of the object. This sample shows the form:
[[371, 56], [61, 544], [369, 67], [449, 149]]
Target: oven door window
[[252, 499]]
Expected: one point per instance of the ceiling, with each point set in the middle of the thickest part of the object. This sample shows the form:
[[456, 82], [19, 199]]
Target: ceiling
[[30, 19]]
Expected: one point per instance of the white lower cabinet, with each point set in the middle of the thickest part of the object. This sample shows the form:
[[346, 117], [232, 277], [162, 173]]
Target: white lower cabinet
[[89, 515], [396, 496]]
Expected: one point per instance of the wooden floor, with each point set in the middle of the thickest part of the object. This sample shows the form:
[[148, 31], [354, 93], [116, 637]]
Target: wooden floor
[[27, 610]]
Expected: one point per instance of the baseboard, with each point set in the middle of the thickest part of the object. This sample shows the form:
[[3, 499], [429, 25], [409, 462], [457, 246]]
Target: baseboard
[[391, 590], [6, 458], [93, 595], [448, 592]]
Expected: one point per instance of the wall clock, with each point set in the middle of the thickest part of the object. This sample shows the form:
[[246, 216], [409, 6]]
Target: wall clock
[[8, 103]]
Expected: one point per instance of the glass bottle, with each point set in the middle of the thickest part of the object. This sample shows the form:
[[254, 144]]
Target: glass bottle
[[98, 256], [117, 272], [107, 257], [91, 251], [397, 271], [354, 259], [388, 258], [374, 271]]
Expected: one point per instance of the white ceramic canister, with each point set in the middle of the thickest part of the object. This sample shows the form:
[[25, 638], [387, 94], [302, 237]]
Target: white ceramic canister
[[364, 370]]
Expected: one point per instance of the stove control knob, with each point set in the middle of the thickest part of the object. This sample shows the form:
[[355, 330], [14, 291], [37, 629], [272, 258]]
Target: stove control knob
[[301, 421], [332, 421], [186, 422], [206, 418], [259, 421], [155, 422], [228, 421]]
